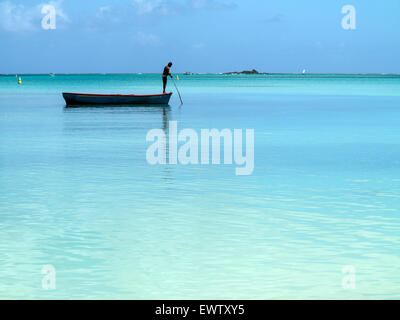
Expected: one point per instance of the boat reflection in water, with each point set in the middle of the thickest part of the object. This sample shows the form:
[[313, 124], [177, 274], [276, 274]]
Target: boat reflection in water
[[117, 133], [137, 115]]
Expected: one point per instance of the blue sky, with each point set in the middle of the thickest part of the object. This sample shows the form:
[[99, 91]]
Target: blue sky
[[125, 36]]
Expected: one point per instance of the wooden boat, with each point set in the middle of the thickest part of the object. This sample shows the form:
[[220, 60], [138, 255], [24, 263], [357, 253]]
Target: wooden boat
[[87, 98]]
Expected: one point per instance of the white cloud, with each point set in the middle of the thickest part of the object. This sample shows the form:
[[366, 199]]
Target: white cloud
[[61, 15], [171, 7], [147, 39], [151, 6], [16, 17], [198, 45], [103, 11], [20, 18], [108, 13], [211, 4]]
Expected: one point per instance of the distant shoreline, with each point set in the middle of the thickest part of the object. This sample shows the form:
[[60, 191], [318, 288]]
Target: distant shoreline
[[202, 74]]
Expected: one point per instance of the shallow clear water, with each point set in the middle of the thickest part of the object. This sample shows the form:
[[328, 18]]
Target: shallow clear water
[[78, 194]]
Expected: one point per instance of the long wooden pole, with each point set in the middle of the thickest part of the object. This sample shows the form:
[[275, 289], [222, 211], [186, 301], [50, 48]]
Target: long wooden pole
[[177, 90]]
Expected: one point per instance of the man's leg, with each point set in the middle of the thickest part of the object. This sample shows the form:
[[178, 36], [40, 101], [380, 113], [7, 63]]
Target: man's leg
[[164, 83]]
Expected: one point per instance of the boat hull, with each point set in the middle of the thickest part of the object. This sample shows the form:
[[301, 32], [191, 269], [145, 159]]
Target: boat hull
[[86, 98]]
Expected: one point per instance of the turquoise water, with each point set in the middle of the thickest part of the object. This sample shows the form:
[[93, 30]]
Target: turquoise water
[[78, 194]]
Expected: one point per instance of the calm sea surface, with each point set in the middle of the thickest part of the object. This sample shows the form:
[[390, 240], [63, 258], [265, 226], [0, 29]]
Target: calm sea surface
[[77, 193]]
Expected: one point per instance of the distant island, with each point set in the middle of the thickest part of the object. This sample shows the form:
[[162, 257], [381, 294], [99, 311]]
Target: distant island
[[254, 71]]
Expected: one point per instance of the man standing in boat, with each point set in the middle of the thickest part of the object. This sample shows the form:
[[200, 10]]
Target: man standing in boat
[[166, 73]]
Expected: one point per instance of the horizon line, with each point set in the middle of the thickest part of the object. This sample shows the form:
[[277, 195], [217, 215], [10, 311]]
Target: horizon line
[[233, 73]]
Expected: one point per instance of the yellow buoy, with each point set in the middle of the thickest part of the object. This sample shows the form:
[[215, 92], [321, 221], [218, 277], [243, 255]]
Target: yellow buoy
[[19, 80], [177, 77]]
